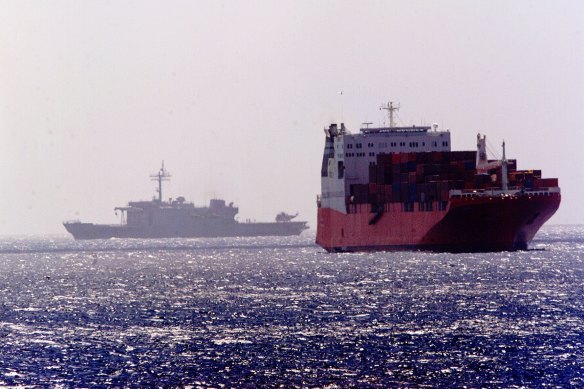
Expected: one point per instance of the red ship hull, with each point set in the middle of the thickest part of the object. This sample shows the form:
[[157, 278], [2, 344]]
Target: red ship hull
[[469, 224]]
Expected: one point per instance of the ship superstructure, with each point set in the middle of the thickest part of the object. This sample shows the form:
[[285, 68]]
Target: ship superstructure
[[178, 218], [398, 187]]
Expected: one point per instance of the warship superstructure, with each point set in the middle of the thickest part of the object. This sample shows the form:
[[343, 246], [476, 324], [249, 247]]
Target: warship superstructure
[[178, 218]]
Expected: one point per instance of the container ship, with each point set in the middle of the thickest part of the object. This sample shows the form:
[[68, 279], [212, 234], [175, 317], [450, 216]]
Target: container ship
[[178, 218], [402, 188]]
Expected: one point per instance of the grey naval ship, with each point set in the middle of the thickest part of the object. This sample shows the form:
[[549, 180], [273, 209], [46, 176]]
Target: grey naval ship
[[177, 218]]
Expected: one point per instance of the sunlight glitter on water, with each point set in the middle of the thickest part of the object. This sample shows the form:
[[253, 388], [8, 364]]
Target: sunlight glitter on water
[[265, 312]]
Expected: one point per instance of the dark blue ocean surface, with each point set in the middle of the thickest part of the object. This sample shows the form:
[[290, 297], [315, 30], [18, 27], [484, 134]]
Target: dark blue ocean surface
[[281, 312]]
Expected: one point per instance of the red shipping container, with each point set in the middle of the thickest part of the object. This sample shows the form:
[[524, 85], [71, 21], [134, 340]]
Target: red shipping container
[[549, 182]]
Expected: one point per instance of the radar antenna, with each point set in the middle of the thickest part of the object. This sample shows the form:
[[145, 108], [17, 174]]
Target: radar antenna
[[390, 108], [162, 175]]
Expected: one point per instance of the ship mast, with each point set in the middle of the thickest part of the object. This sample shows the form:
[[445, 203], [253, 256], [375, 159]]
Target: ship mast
[[504, 177], [390, 108], [162, 175]]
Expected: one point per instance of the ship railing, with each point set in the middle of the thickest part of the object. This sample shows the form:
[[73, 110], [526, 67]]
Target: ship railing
[[542, 192], [77, 221], [377, 130], [512, 191], [552, 189]]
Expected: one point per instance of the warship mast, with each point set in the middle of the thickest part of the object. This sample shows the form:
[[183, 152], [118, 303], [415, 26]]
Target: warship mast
[[162, 175]]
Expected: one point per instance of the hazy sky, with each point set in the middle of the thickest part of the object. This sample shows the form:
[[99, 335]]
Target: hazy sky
[[233, 96]]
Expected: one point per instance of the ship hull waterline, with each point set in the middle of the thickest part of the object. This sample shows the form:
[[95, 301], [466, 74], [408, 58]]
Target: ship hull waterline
[[87, 231]]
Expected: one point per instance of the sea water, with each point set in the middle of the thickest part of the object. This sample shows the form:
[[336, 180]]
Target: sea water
[[281, 312]]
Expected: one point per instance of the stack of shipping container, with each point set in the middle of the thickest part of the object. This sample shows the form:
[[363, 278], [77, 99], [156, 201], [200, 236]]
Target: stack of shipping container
[[427, 178]]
